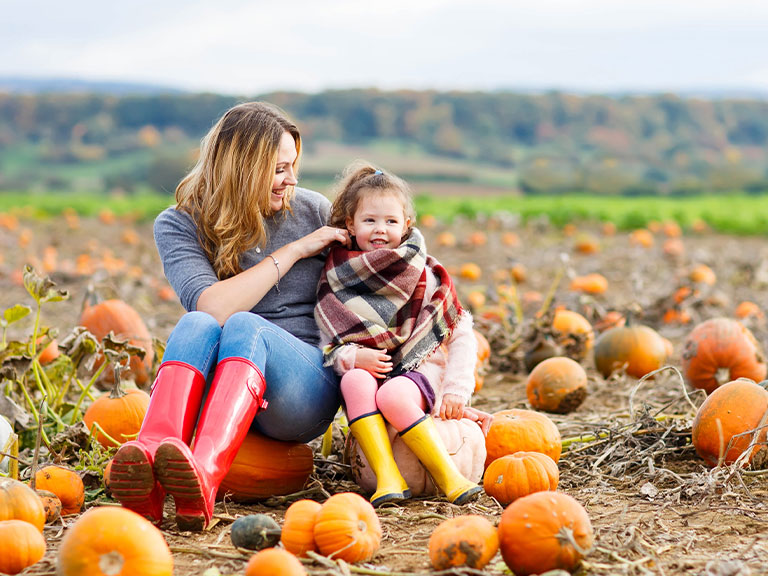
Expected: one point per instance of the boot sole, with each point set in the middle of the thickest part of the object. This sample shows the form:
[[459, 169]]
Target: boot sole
[[468, 496], [132, 481], [392, 497], [177, 474]]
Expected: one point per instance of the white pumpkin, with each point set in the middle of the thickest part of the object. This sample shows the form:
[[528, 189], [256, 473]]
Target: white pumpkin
[[462, 438], [6, 439]]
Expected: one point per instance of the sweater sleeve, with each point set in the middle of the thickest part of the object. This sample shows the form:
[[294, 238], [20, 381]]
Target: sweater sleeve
[[459, 375], [185, 263]]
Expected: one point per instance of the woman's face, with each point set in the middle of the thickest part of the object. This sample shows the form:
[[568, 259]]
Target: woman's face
[[284, 175]]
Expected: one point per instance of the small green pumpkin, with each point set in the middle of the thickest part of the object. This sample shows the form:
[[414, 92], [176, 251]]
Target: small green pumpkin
[[255, 532]]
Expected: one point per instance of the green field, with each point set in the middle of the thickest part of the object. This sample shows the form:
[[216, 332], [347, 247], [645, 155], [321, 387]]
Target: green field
[[735, 213]]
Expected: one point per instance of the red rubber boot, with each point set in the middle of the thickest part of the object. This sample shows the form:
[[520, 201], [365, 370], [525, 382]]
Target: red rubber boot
[[173, 409], [192, 476]]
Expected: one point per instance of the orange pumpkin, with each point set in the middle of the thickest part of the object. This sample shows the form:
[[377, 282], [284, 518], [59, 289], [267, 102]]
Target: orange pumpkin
[[19, 502], [610, 319], [673, 247], [720, 350], [671, 229], [298, 535], [586, 244], [641, 237], [590, 284], [570, 325], [120, 318], [557, 385], [510, 239], [21, 546], [638, 347], [470, 271], [463, 541], [113, 540], [516, 475], [119, 414], [517, 430], [463, 439], [264, 467], [544, 531], [746, 309], [719, 428], [347, 528], [49, 353], [66, 484], [274, 562], [702, 274]]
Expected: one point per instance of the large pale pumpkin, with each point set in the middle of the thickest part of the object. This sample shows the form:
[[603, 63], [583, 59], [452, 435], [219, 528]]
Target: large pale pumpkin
[[519, 430], [462, 438], [120, 318], [113, 540], [264, 467], [720, 350], [720, 431]]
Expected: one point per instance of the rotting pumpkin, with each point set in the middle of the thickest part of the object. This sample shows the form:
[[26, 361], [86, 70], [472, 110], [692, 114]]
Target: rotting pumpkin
[[557, 385], [469, 540]]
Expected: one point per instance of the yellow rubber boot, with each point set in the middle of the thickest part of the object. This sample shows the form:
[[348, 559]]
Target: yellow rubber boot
[[371, 433], [424, 441]]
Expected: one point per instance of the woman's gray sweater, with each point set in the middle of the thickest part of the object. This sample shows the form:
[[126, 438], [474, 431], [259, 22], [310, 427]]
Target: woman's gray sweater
[[189, 271]]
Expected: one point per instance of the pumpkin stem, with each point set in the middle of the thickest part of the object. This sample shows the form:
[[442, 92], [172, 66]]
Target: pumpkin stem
[[566, 538], [111, 563], [117, 388], [723, 375]]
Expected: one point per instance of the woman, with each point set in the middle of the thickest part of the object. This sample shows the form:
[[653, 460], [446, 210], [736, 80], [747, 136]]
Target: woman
[[243, 250]]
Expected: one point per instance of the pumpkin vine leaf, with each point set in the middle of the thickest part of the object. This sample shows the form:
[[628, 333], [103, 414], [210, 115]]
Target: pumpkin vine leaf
[[41, 288], [14, 314]]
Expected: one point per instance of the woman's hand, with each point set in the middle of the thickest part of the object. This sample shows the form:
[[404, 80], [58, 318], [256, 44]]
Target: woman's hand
[[483, 419], [452, 407], [377, 362], [317, 241]]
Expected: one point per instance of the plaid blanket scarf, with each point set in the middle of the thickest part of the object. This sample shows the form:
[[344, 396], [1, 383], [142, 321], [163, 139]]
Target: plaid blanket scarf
[[376, 299]]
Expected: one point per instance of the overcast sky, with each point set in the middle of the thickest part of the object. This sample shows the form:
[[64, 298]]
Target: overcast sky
[[249, 47]]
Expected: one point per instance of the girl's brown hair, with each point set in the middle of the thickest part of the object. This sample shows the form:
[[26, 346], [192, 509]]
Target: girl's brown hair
[[227, 192], [360, 180]]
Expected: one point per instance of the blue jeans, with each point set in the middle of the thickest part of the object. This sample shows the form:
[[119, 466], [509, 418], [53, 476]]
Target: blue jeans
[[303, 395]]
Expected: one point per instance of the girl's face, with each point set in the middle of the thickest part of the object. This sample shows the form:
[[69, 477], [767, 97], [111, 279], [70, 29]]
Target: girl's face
[[284, 175], [378, 222]]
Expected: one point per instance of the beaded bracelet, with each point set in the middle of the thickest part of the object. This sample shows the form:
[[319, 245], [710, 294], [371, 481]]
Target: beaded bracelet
[[277, 266]]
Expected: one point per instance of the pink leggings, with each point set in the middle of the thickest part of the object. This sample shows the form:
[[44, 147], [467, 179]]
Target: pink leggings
[[399, 400]]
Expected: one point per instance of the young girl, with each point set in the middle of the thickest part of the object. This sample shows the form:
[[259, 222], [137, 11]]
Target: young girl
[[397, 335]]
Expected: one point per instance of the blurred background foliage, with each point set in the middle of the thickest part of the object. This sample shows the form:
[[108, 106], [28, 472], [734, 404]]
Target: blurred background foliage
[[445, 143]]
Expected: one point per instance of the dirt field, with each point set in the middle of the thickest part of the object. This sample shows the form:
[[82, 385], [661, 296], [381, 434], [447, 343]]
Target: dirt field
[[655, 507]]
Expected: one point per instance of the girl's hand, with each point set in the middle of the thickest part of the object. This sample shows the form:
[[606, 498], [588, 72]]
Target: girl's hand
[[377, 362], [483, 419], [452, 407], [317, 241]]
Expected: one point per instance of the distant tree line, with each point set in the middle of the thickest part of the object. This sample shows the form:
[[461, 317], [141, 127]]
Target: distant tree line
[[554, 142]]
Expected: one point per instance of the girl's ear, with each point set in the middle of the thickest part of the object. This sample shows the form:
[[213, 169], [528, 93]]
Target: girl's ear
[[350, 226]]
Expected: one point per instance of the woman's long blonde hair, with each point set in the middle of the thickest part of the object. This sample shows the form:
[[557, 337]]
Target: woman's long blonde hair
[[227, 193]]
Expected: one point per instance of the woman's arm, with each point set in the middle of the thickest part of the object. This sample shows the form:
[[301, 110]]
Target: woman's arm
[[245, 290]]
